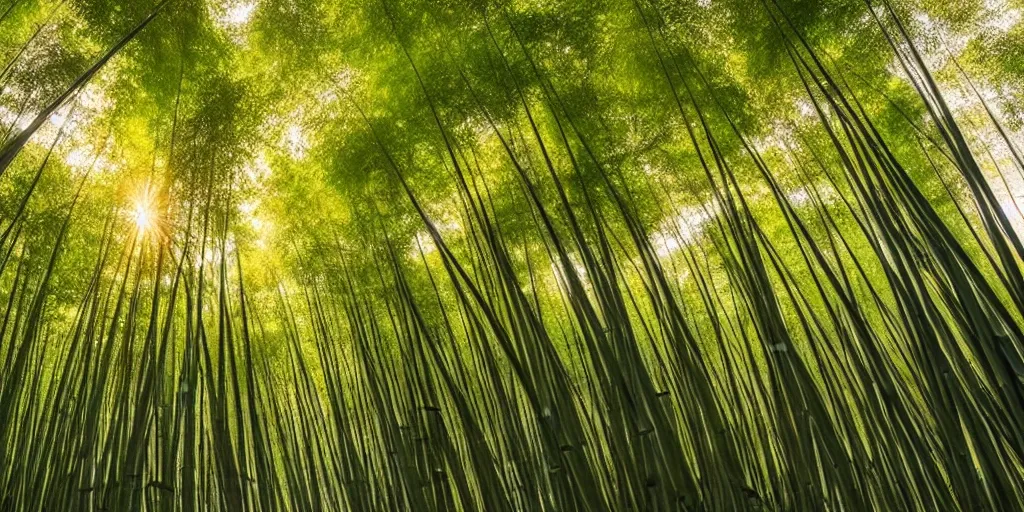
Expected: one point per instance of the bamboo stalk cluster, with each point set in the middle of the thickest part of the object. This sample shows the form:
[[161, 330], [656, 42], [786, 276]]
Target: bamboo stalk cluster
[[883, 371]]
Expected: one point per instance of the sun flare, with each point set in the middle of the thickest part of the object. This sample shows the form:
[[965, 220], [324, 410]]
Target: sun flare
[[143, 217], [144, 210]]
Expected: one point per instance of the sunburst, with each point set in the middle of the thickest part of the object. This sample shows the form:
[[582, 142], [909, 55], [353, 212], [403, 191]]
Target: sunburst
[[145, 212]]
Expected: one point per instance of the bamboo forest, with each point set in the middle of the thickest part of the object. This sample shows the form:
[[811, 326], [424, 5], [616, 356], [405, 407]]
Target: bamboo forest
[[511, 255]]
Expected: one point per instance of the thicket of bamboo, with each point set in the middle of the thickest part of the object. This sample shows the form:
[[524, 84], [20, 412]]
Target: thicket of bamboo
[[837, 325]]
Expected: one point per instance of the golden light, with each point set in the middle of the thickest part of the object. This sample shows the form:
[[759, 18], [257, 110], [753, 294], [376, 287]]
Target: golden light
[[144, 210], [143, 217]]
